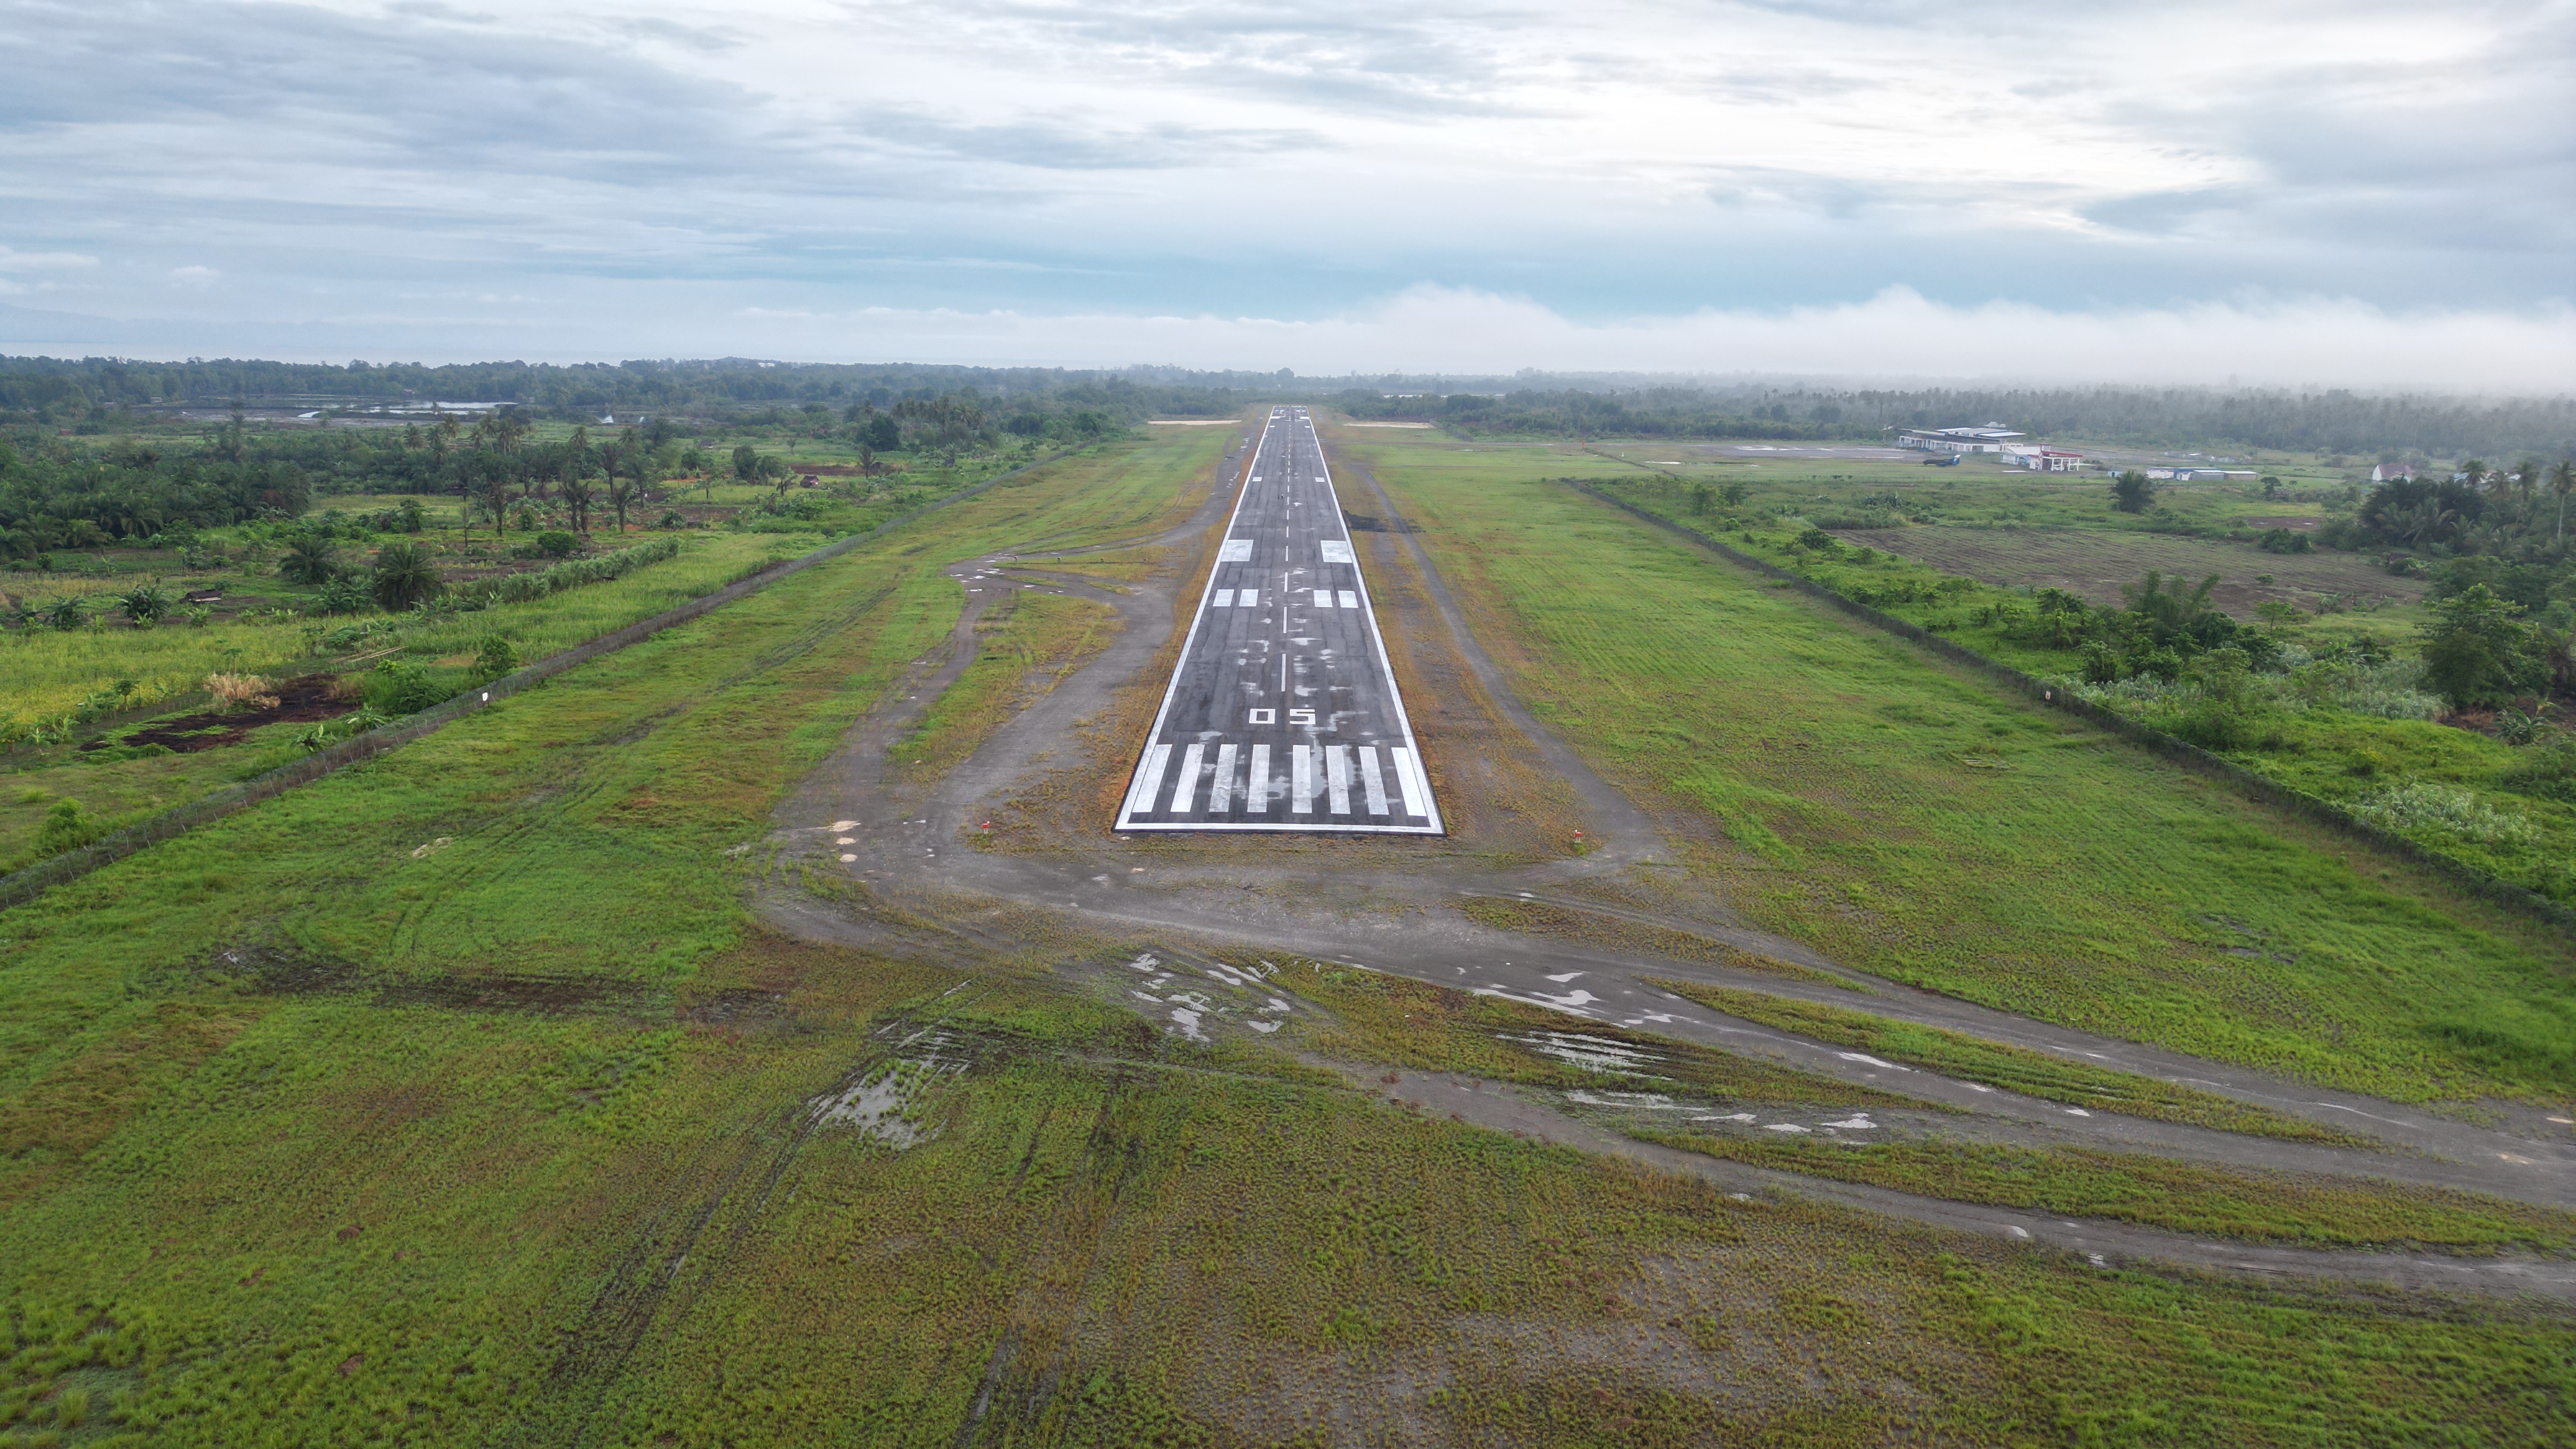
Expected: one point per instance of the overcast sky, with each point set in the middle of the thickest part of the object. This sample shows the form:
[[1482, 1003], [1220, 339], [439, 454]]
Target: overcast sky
[[2301, 193]]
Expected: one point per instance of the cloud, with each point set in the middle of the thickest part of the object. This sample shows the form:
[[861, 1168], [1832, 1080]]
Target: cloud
[[675, 164], [2325, 342], [17, 261]]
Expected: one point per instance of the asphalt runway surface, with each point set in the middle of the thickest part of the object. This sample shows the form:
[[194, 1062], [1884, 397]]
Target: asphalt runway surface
[[1282, 713]]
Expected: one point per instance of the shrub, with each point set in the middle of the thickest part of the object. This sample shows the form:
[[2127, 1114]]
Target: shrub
[[2429, 807], [2547, 770], [67, 827], [496, 659], [147, 604], [400, 686], [555, 543], [345, 594]]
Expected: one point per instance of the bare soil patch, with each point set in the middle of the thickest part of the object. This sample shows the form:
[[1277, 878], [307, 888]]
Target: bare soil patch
[[304, 698], [2096, 565]]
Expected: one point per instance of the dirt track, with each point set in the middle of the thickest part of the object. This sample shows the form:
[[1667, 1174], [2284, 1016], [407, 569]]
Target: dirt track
[[1045, 781]]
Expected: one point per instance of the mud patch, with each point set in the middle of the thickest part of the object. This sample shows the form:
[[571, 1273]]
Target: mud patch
[[303, 699], [736, 1006], [1364, 523], [532, 995]]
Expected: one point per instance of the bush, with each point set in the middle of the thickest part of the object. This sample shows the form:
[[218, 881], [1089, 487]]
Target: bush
[[400, 686], [345, 594], [2429, 807], [2547, 770], [147, 604], [496, 659], [2283, 540], [555, 543], [67, 827]]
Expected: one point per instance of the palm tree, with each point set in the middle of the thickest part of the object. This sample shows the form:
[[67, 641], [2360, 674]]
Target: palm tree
[[2562, 481], [576, 496], [621, 492], [310, 560], [404, 576]]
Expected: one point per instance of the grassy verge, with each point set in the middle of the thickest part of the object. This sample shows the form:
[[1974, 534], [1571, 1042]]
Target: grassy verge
[[1542, 918], [1914, 822], [2034, 1074], [2160, 1193], [1025, 645]]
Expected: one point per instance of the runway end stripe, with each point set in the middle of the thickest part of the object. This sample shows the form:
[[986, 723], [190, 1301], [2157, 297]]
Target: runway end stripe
[[1258, 802], [1301, 788], [1370, 778], [1337, 777]]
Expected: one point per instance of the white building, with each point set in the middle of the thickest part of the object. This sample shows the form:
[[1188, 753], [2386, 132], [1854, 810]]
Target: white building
[[2042, 460], [1992, 438]]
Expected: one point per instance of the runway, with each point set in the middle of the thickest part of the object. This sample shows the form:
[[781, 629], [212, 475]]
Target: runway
[[1282, 713]]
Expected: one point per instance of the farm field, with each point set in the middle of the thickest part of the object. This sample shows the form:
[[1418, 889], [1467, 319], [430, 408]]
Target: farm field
[[1851, 793], [463, 1097], [2099, 565], [2361, 743]]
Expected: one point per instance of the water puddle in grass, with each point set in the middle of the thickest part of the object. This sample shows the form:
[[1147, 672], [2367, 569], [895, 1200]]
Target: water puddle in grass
[[1196, 997], [887, 1103], [1591, 1053]]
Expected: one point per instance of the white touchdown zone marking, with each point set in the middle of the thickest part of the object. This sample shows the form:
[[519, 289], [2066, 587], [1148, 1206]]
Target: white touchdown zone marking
[[1350, 600], [1235, 550], [1224, 599]]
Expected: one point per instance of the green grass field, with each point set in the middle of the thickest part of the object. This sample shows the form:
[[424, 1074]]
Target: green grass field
[[455, 1099], [2333, 753], [1901, 815]]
